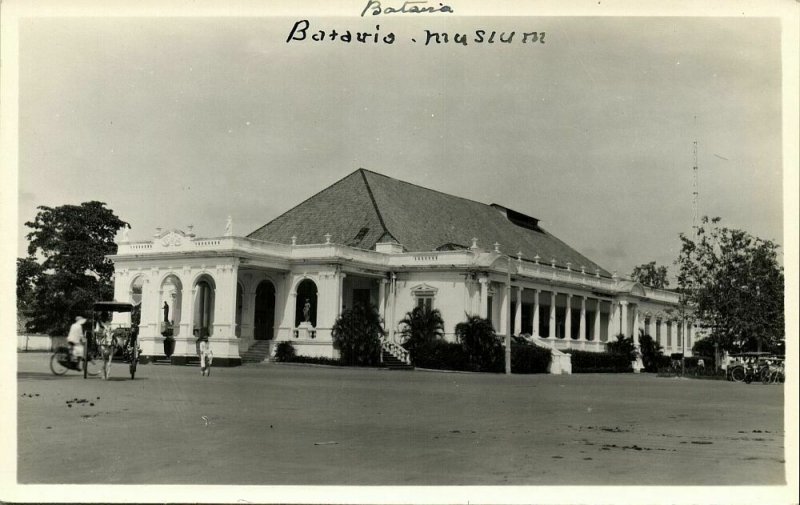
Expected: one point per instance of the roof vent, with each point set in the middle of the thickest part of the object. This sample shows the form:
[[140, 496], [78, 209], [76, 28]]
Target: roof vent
[[518, 218]]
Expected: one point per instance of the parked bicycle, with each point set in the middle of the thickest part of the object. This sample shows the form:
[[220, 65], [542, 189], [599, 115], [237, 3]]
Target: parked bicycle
[[773, 374]]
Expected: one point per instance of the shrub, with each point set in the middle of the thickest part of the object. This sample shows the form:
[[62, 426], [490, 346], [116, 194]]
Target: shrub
[[419, 328], [441, 355], [599, 362], [651, 352], [357, 333], [623, 347], [527, 358], [285, 352], [316, 360], [480, 343]]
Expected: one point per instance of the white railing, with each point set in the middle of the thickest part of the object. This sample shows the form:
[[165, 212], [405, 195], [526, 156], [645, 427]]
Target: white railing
[[457, 258], [396, 350]]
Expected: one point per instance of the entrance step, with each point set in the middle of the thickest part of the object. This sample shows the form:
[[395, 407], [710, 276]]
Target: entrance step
[[392, 363], [257, 352]]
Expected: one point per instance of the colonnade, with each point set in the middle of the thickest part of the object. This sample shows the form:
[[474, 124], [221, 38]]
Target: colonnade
[[623, 316]]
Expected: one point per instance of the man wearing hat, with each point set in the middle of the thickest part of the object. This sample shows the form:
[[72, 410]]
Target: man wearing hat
[[75, 338]]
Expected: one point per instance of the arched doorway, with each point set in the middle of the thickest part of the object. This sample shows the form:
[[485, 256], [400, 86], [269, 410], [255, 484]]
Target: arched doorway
[[306, 293], [264, 313], [204, 306], [171, 292]]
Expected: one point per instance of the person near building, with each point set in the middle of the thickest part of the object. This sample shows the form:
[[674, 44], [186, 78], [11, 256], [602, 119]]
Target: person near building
[[76, 339]]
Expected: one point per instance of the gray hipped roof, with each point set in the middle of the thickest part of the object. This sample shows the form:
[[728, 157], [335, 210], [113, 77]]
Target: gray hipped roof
[[365, 208]]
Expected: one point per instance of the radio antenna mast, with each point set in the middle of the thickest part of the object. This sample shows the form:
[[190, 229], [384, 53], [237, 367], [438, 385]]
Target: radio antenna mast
[[695, 186]]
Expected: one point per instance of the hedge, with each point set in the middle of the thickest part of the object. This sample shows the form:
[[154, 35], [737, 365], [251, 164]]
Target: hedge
[[441, 355], [285, 353], [599, 362], [527, 359]]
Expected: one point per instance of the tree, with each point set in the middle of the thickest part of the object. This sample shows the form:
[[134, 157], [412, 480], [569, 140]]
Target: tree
[[480, 343], [28, 271], [734, 285], [66, 269], [651, 351], [650, 275], [623, 346], [357, 335], [419, 328]]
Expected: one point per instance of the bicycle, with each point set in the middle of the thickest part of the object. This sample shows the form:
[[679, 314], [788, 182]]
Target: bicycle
[[773, 375], [61, 361]]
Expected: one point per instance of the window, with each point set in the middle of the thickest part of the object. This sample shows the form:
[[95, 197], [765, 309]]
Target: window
[[424, 296], [425, 301]]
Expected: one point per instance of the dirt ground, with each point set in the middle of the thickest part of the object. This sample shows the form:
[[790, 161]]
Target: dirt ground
[[298, 424]]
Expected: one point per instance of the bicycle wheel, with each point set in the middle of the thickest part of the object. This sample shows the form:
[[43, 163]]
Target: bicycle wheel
[[93, 367], [737, 374], [57, 363]]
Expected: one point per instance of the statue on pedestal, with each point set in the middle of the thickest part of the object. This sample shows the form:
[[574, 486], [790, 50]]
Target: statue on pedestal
[[307, 312], [166, 312]]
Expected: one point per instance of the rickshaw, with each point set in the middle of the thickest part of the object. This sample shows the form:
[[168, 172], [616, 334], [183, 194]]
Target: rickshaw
[[747, 366], [124, 337]]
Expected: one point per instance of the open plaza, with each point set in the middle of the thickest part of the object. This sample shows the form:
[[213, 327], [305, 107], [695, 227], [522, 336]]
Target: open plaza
[[289, 424]]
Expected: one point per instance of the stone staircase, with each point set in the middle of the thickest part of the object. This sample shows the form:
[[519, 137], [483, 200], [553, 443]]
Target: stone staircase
[[392, 363], [394, 357], [257, 352]]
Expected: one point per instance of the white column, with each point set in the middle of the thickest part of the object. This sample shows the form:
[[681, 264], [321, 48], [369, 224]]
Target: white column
[[568, 319], [613, 321], [552, 315], [484, 282], [596, 335], [505, 307], [393, 320], [582, 325], [382, 298], [648, 327], [636, 326], [624, 321], [518, 313], [535, 313], [187, 307]]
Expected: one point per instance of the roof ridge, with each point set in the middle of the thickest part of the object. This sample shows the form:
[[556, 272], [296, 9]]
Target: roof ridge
[[307, 199], [427, 189], [374, 203]]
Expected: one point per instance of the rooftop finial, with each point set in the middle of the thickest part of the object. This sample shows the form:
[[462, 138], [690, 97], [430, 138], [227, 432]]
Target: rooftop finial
[[474, 243], [327, 238], [294, 240], [497, 247]]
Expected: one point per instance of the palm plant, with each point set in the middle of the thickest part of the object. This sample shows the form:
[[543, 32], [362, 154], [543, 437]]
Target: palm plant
[[357, 333], [419, 328], [480, 342]]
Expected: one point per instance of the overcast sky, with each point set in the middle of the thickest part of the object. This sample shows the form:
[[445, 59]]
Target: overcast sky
[[184, 121]]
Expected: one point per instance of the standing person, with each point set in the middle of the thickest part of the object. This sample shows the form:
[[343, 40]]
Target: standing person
[[76, 339], [204, 351]]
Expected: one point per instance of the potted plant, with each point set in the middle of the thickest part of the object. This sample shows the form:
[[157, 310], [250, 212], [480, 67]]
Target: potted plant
[[169, 340]]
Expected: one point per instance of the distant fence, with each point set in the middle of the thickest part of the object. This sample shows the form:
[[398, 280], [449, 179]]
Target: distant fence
[[43, 343]]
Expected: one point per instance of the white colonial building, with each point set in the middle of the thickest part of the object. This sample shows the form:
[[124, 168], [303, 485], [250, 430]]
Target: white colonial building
[[371, 238]]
